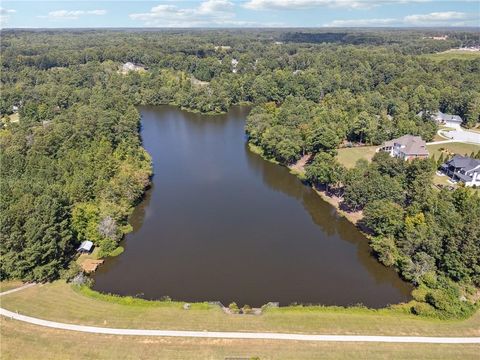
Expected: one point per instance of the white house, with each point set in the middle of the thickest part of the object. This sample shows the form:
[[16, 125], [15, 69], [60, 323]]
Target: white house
[[453, 121], [129, 66], [406, 147]]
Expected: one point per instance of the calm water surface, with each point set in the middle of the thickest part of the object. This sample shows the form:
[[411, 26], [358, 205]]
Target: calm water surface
[[220, 223]]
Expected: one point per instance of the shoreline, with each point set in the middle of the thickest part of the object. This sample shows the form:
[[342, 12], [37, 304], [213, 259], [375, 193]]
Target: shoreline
[[298, 169]]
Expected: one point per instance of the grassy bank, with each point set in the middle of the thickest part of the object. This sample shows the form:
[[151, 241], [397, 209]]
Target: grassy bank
[[24, 341], [89, 308]]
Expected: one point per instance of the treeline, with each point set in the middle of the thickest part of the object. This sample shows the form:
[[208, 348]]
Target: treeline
[[380, 76]]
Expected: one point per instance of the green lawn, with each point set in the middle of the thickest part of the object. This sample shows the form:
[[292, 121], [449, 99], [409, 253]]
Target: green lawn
[[348, 157], [452, 148], [441, 180], [60, 302], [25, 341], [453, 54]]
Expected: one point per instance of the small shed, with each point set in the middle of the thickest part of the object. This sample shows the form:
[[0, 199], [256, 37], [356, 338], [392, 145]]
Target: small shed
[[85, 247]]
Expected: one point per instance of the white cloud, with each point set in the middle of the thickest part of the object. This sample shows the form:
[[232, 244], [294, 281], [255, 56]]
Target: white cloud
[[362, 22], [447, 18], [305, 4], [7, 11], [71, 14], [5, 15], [436, 17], [207, 13]]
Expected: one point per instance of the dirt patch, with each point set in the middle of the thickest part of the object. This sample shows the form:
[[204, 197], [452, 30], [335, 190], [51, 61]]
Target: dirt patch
[[299, 166], [352, 216]]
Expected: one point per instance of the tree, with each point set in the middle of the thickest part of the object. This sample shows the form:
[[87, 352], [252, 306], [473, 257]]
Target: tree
[[325, 170], [323, 138], [385, 218]]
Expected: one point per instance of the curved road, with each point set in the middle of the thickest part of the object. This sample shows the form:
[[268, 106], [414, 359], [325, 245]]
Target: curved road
[[234, 335]]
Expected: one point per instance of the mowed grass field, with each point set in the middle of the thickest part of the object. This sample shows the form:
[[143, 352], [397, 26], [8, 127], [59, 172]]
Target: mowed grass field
[[453, 54], [59, 301], [9, 285], [348, 157], [25, 341], [452, 148]]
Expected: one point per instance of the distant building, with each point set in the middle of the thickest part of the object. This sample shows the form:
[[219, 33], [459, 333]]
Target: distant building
[[129, 66], [463, 169], [222, 47], [440, 118], [442, 37], [234, 65], [85, 247], [407, 147]]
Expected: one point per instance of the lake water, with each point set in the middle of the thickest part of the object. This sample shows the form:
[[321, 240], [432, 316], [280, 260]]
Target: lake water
[[221, 224]]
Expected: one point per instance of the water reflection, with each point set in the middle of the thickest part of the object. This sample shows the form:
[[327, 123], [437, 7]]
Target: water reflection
[[220, 223]]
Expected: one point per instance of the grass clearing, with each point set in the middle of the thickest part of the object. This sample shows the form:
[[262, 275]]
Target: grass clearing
[[25, 341], [348, 157], [9, 285], [452, 148], [442, 180], [453, 54], [60, 302]]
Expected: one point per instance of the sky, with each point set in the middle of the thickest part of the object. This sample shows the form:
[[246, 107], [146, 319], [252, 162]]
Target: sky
[[239, 13]]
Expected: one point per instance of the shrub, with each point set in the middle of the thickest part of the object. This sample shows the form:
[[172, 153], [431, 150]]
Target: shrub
[[385, 249], [424, 309], [246, 309], [233, 307], [420, 293], [71, 272]]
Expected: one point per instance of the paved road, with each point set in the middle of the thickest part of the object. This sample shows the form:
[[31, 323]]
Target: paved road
[[234, 335], [459, 135]]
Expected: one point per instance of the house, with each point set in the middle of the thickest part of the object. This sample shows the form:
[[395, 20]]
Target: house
[[453, 121], [234, 65], [222, 47], [85, 247], [463, 169], [407, 147], [129, 66]]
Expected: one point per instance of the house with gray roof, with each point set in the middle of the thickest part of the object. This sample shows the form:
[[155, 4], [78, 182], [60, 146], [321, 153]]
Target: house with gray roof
[[406, 147], [440, 118], [463, 169]]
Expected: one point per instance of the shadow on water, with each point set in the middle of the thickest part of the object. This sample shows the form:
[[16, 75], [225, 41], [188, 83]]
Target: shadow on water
[[279, 178], [221, 224]]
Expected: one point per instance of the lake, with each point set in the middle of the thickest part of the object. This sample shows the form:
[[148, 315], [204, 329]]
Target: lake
[[221, 224]]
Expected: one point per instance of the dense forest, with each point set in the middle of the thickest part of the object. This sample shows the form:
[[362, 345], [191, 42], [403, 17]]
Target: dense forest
[[73, 166]]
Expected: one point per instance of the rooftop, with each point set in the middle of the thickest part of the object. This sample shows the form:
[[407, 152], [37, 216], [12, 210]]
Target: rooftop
[[85, 246], [410, 144], [464, 162]]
